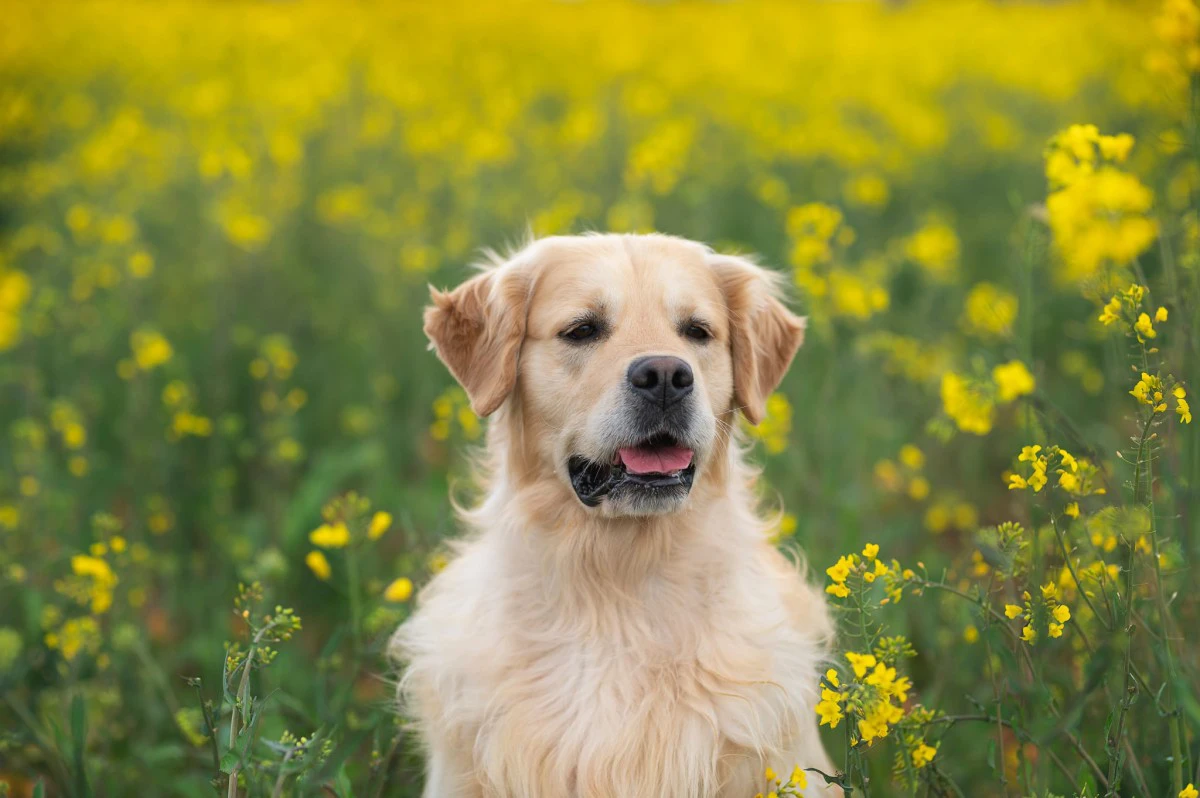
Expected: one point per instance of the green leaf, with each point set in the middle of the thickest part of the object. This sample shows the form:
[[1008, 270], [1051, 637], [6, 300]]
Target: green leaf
[[341, 783], [229, 760], [79, 744]]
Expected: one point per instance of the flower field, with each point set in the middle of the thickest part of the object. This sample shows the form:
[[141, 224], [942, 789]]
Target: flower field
[[226, 455]]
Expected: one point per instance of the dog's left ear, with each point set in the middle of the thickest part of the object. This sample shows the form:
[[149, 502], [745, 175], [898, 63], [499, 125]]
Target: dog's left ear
[[477, 330], [764, 335]]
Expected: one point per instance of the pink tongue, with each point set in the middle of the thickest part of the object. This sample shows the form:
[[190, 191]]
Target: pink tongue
[[661, 460]]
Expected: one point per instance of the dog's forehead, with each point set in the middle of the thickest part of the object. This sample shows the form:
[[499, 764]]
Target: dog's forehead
[[618, 273]]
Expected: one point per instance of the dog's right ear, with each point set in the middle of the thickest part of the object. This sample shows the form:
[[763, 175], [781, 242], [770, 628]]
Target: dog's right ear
[[477, 330]]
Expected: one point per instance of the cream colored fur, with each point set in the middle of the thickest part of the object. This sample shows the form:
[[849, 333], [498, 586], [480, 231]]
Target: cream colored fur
[[566, 651]]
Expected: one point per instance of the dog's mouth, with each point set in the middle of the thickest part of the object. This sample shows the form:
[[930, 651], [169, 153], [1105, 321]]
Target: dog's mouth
[[659, 464]]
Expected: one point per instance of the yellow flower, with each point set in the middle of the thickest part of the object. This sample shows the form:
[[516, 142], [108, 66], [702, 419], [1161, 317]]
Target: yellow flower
[[922, 755], [860, 662], [399, 590], [1189, 792], [770, 774], [831, 676], [330, 536], [150, 349], [1069, 482], [829, 710], [1055, 629], [141, 264], [1160, 315], [1017, 482], [799, 778], [1028, 453], [1072, 510], [1012, 610], [870, 551], [1012, 380], [935, 249], [1062, 613], [100, 580], [912, 457], [1028, 634], [967, 405], [1068, 460], [1143, 326], [839, 590], [1050, 591], [918, 488], [971, 634], [839, 570], [1112, 311], [989, 311], [317, 563], [74, 435], [380, 523]]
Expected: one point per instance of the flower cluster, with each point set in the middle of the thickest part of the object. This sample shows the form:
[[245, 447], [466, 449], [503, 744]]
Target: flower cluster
[[854, 571], [970, 401], [935, 249], [874, 696], [1048, 607], [15, 289], [820, 238], [795, 784], [1077, 477], [180, 399], [1149, 392], [775, 426], [989, 312], [1178, 29], [1126, 306], [348, 522], [450, 410], [1097, 212], [905, 473]]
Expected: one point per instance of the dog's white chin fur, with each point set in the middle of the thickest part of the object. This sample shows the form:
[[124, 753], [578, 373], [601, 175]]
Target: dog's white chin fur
[[628, 507], [594, 659]]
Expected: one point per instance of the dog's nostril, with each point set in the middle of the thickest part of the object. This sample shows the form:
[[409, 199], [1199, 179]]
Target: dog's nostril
[[683, 377], [643, 378], [661, 379]]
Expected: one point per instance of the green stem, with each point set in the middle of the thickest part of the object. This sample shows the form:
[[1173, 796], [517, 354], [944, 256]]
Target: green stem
[[243, 697], [355, 599], [1117, 736], [1175, 719], [1062, 543]]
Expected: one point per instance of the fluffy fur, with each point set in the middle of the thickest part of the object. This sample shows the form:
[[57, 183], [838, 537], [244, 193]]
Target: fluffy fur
[[570, 651]]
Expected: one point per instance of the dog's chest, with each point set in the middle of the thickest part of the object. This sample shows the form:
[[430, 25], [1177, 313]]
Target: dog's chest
[[603, 711]]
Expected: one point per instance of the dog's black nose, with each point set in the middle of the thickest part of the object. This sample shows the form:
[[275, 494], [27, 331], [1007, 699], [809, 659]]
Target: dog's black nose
[[660, 379]]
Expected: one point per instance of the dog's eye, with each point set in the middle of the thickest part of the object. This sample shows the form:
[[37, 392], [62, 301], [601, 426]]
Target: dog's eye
[[583, 331], [697, 332]]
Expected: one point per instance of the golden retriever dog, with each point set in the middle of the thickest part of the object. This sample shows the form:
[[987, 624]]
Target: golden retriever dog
[[616, 623]]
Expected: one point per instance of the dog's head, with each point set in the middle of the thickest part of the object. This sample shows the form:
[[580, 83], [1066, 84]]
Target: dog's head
[[626, 358]]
